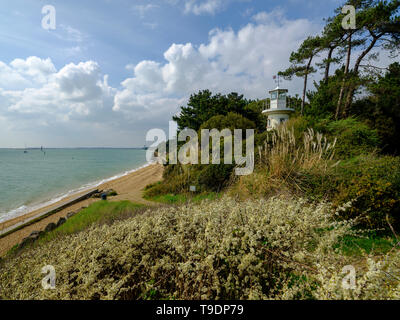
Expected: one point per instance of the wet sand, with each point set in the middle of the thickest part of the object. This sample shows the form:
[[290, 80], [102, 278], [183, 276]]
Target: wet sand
[[129, 187]]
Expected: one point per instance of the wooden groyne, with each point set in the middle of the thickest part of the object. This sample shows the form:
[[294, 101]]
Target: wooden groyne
[[40, 216]]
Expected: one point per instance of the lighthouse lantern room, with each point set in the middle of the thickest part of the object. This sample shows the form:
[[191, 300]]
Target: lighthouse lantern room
[[278, 111]]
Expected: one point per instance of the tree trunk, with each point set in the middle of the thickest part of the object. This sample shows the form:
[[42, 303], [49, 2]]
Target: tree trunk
[[305, 84], [346, 71], [352, 88], [328, 64]]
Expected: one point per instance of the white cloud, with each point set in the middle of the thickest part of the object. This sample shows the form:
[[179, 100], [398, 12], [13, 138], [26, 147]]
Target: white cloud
[[68, 33], [205, 6], [34, 67], [142, 9], [76, 104], [242, 61], [76, 90], [151, 25], [34, 94]]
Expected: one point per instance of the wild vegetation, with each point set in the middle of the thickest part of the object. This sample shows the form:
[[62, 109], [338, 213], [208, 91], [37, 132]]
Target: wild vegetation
[[339, 146], [325, 193], [225, 249]]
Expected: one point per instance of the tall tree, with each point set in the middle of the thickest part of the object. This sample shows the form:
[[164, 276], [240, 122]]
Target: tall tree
[[204, 105], [346, 72], [348, 41], [379, 22], [381, 109], [301, 61], [332, 38]]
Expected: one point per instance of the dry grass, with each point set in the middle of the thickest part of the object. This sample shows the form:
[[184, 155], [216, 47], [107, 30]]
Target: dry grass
[[282, 154], [283, 159]]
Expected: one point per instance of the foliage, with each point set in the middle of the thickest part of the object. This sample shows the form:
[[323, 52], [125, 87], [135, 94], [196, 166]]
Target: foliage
[[231, 121], [301, 62], [381, 109], [183, 198], [323, 100], [215, 177], [99, 212], [275, 249], [175, 181], [287, 154], [367, 243], [203, 106], [354, 137], [254, 113], [373, 186], [220, 250]]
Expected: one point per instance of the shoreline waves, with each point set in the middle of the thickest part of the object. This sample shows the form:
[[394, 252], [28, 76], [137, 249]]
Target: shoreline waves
[[129, 186], [24, 210]]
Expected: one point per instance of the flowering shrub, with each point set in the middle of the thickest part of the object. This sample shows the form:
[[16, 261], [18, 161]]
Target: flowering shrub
[[373, 185], [259, 249]]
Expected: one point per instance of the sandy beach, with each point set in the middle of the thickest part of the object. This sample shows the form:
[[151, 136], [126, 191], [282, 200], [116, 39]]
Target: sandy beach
[[129, 187]]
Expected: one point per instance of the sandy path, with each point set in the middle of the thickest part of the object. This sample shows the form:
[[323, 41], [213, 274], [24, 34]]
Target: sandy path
[[129, 187]]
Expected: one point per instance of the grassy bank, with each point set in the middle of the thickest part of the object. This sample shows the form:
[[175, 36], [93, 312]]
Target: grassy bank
[[101, 212], [181, 198]]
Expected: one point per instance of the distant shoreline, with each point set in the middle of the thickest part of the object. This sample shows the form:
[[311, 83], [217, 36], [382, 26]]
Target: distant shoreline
[[16, 213], [128, 186], [72, 148]]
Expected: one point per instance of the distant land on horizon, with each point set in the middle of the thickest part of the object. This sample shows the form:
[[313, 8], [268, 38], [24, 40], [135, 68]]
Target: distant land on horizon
[[50, 148]]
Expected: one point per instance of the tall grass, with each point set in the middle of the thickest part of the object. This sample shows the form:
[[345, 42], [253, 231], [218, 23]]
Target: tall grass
[[283, 162], [282, 154]]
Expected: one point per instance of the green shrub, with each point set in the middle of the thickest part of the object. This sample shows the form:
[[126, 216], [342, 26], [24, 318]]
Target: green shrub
[[214, 177], [373, 184], [176, 184], [99, 212], [353, 137], [231, 121]]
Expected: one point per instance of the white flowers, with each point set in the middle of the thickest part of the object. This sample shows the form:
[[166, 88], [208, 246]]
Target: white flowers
[[275, 249]]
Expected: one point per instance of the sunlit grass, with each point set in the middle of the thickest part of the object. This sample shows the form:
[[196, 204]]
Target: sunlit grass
[[182, 198], [97, 213], [370, 244]]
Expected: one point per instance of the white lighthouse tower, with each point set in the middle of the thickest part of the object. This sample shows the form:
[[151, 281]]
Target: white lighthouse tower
[[278, 112]]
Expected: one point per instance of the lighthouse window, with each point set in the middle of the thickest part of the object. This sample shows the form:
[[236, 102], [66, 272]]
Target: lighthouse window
[[282, 95], [274, 95], [269, 123]]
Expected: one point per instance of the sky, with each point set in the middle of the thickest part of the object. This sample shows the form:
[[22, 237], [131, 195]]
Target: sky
[[112, 70]]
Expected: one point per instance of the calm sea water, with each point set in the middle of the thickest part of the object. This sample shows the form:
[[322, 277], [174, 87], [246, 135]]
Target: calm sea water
[[30, 180]]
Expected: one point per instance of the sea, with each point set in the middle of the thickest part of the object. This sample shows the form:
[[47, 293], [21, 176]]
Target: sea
[[34, 178]]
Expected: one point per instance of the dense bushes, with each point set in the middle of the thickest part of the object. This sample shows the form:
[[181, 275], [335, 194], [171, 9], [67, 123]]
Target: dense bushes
[[223, 249], [373, 184], [354, 137], [178, 179], [309, 166], [231, 121], [381, 109], [215, 177]]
